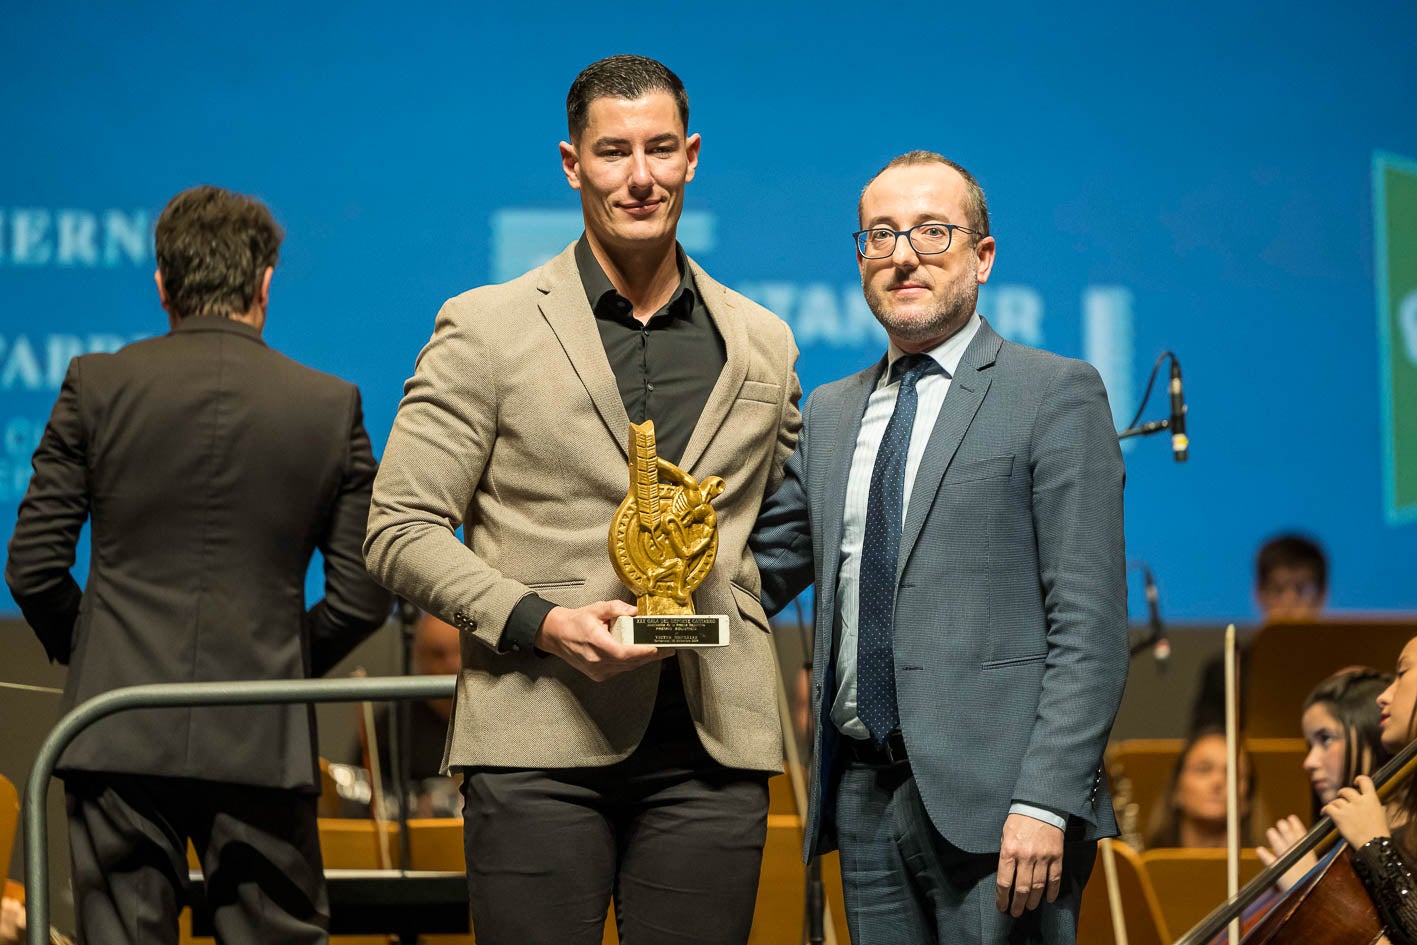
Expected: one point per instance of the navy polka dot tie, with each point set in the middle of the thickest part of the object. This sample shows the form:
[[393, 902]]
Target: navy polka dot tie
[[880, 553]]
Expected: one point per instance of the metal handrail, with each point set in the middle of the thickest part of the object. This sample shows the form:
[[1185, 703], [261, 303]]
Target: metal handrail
[[171, 695]]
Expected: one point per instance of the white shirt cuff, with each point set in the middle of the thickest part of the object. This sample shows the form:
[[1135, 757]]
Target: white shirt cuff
[[1038, 813]]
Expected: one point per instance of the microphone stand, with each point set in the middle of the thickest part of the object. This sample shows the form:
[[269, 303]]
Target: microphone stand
[[401, 733], [1145, 429], [1156, 426], [1145, 643], [1156, 632], [814, 897]]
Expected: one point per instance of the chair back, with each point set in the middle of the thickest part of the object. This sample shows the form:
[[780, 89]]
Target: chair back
[[1141, 910]]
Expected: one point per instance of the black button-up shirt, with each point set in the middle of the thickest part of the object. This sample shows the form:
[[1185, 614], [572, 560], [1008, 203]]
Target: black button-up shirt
[[665, 368]]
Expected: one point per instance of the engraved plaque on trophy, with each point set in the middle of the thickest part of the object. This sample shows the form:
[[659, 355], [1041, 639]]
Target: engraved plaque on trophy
[[663, 540]]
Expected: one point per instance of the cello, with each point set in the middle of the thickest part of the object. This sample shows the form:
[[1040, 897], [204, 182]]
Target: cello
[[1329, 907]]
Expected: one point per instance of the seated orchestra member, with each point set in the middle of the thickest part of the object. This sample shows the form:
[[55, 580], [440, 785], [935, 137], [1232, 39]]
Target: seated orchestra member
[[435, 653], [1340, 723], [1192, 812], [13, 927], [1291, 583], [1384, 842]]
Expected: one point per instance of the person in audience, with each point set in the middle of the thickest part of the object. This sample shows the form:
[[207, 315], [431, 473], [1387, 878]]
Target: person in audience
[[1291, 579], [1384, 839], [1291, 584], [13, 927], [1192, 813], [435, 653], [1340, 724], [12, 921]]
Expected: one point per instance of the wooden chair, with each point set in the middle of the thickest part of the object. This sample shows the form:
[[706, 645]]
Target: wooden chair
[[1280, 781], [344, 844], [9, 819], [1191, 883], [1144, 764], [351, 844], [1141, 910], [436, 843], [329, 803], [1286, 660], [1281, 787], [780, 799]]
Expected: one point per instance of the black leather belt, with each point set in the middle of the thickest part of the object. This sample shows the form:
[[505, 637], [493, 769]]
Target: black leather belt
[[867, 752]]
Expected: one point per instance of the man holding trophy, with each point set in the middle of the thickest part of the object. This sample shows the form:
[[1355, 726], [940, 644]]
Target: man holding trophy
[[596, 766]]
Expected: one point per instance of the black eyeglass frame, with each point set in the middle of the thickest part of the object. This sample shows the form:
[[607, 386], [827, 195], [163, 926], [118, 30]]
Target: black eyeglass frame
[[860, 236]]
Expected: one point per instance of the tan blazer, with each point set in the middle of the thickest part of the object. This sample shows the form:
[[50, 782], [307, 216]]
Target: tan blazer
[[512, 426]]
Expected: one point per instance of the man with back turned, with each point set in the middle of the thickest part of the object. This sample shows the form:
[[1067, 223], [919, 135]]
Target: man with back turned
[[211, 468], [595, 769]]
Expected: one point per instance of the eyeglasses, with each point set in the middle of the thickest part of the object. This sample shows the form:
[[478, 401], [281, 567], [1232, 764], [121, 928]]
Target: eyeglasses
[[927, 239]]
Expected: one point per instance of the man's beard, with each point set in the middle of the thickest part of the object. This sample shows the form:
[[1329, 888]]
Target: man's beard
[[947, 316]]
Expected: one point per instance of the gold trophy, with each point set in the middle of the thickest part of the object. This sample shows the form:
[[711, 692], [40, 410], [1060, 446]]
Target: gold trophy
[[663, 540]]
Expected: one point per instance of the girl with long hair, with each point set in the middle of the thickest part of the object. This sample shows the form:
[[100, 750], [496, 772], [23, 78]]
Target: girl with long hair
[[1340, 724]]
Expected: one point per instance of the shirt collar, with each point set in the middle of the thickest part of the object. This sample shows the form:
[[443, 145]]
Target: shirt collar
[[947, 354], [218, 323], [598, 285]]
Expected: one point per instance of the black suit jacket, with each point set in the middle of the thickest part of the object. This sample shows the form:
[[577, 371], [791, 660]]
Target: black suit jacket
[[211, 468]]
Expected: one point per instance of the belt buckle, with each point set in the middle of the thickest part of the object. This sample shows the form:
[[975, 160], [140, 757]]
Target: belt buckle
[[894, 748]]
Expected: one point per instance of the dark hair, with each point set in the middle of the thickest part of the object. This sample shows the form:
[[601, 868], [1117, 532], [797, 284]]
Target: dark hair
[[1406, 795], [979, 207], [213, 245], [1351, 697], [624, 76], [1292, 551], [1166, 818]]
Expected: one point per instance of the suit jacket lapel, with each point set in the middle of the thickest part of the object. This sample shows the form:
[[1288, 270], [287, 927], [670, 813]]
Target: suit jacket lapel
[[564, 306], [967, 390], [734, 331], [842, 445]]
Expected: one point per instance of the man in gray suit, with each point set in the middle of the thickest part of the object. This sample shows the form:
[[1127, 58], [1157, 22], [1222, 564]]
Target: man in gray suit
[[211, 468], [959, 507], [595, 769]]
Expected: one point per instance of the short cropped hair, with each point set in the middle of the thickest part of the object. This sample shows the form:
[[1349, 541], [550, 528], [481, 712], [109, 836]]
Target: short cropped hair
[[1292, 551], [978, 206], [212, 246], [624, 76]]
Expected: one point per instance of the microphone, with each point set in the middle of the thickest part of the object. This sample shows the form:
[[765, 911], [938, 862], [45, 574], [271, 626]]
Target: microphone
[[1180, 443], [1160, 646]]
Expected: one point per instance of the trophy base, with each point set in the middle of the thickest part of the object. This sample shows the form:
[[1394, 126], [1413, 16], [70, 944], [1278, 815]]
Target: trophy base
[[694, 630]]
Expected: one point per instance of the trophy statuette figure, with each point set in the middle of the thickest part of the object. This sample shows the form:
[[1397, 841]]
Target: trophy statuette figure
[[663, 541]]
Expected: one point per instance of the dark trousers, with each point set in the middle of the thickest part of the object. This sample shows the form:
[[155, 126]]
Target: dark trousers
[[905, 884], [259, 848], [675, 838]]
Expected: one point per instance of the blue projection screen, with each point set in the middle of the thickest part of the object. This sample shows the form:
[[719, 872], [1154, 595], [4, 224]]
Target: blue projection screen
[[1225, 181]]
